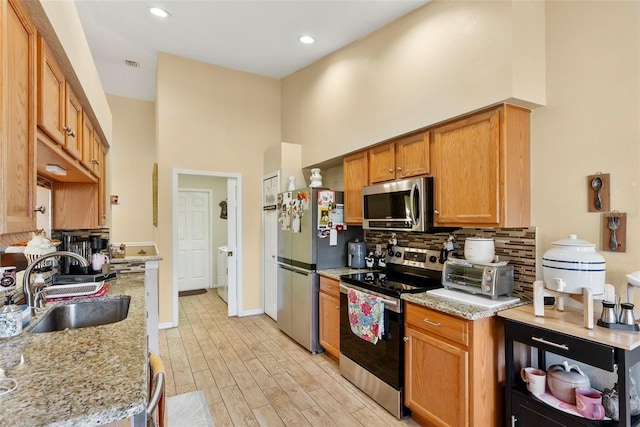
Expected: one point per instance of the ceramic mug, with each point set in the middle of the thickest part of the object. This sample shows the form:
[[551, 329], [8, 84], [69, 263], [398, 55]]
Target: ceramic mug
[[98, 260], [589, 403], [536, 379]]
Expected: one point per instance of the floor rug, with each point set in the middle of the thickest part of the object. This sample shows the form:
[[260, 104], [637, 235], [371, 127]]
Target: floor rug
[[189, 410], [194, 292]]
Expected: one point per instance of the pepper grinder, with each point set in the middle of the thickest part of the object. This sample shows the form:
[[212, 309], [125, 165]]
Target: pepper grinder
[[608, 312]]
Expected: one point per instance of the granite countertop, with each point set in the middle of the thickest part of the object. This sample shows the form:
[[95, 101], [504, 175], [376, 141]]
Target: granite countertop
[[335, 273], [455, 308], [85, 376], [135, 258]]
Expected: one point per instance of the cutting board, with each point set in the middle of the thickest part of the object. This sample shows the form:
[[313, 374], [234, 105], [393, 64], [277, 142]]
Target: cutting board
[[466, 298]]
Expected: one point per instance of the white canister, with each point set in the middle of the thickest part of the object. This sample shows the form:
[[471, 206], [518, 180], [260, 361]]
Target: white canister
[[572, 264], [479, 250]]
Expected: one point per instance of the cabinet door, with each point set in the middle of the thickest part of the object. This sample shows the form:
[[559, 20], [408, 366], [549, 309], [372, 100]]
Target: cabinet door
[[330, 316], [73, 116], [356, 175], [412, 156], [87, 142], [382, 163], [18, 114], [51, 87], [466, 160], [83, 197], [100, 171], [436, 380]]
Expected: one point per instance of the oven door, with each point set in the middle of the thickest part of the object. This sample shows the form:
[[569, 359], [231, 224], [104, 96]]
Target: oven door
[[385, 358]]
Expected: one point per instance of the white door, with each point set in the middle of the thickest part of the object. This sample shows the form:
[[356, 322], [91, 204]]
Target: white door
[[270, 189], [194, 254], [232, 246]]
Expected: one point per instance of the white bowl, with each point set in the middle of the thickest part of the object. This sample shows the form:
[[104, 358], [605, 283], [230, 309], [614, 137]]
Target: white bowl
[[634, 278]]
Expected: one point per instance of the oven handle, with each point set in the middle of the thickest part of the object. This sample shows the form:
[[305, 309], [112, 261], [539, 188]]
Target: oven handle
[[384, 300]]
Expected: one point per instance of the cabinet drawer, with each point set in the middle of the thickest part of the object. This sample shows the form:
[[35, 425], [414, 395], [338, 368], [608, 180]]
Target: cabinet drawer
[[435, 322], [589, 352], [330, 286]]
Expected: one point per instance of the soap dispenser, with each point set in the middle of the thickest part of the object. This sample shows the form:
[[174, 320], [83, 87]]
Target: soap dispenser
[[10, 319]]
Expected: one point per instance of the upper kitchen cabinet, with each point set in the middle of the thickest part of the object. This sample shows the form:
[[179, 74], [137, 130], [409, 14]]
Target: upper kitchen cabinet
[[60, 113], [51, 101], [481, 170], [17, 113], [356, 176], [88, 138], [403, 158], [73, 118]]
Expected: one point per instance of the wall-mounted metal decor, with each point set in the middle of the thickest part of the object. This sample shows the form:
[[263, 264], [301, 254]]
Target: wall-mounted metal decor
[[615, 232], [598, 192]]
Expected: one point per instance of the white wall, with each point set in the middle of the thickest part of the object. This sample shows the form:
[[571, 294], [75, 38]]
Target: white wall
[[443, 60], [214, 119], [130, 163]]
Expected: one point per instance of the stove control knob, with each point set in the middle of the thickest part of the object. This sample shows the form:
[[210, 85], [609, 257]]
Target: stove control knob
[[433, 258], [487, 288], [488, 278], [398, 254]]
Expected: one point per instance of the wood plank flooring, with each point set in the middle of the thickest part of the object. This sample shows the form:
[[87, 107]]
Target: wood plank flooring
[[254, 375]]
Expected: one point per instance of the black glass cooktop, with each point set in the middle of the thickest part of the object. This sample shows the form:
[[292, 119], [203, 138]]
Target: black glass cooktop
[[391, 283]]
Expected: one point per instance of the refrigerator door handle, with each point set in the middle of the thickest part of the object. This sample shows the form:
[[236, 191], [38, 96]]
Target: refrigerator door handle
[[294, 269]]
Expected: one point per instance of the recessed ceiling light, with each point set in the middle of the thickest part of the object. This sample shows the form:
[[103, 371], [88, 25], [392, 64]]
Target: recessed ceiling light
[[306, 39], [159, 12]]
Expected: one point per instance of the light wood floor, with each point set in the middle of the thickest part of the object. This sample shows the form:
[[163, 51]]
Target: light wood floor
[[254, 375]]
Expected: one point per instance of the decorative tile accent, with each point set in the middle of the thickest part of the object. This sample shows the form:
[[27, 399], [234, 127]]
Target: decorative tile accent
[[516, 245]]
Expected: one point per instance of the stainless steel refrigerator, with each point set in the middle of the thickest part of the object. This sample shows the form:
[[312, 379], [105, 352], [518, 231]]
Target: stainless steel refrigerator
[[304, 248]]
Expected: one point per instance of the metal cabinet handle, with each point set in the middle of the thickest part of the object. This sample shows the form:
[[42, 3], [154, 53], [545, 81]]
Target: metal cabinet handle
[[542, 340], [398, 168], [436, 212], [337, 307], [390, 170], [95, 162], [405, 339], [426, 320], [40, 209], [67, 129]]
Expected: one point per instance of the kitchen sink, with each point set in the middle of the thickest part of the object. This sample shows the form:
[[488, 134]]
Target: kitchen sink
[[83, 314]]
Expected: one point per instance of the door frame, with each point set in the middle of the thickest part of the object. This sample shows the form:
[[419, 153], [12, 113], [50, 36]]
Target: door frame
[[210, 236], [235, 289], [269, 175]]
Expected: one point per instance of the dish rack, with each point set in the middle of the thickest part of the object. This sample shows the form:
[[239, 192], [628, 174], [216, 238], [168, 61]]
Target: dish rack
[[72, 290]]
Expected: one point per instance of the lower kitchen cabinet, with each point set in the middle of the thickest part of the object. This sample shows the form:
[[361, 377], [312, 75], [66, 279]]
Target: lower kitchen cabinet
[[330, 316], [454, 368]]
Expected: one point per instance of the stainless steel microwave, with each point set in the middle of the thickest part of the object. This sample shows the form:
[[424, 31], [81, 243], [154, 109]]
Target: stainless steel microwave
[[405, 205]]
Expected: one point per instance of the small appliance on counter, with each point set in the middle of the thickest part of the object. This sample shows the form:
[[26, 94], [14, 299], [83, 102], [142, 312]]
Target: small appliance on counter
[[492, 279], [357, 250]]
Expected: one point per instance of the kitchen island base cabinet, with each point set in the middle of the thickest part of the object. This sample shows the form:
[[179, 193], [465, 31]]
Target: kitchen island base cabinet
[[454, 368]]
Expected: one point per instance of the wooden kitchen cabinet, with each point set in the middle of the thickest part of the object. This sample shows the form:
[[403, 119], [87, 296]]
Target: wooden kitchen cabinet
[[88, 138], [60, 113], [330, 316], [453, 368], [75, 205], [356, 175], [481, 170], [18, 58], [51, 100], [73, 119], [403, 158]]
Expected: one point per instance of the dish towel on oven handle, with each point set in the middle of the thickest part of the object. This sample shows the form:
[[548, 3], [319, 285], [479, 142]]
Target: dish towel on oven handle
[[366, 315]]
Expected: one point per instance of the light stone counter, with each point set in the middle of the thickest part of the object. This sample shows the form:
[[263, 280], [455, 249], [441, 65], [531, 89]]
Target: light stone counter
[[335, 273], [445, 305], [86, 376]]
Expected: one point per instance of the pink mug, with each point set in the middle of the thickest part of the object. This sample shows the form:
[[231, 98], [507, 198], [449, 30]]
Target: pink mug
[[589, 403], [98, 260]]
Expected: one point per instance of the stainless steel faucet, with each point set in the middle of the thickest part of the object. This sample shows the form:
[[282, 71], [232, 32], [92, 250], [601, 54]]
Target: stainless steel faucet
[[26, 282]]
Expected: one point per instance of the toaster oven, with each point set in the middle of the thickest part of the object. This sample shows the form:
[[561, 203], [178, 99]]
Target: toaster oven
[[492, 280]]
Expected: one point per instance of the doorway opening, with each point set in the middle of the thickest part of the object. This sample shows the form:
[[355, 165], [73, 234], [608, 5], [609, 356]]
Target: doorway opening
[[206, 208]]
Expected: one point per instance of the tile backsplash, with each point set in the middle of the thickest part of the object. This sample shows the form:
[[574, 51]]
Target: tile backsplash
[[516, 245]]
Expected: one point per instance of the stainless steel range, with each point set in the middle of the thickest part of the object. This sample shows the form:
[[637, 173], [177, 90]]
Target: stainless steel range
[[378, 369]]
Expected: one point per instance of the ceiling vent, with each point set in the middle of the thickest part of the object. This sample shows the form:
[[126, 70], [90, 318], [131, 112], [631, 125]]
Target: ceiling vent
[[130, 63]]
